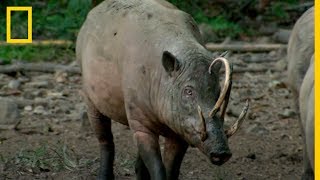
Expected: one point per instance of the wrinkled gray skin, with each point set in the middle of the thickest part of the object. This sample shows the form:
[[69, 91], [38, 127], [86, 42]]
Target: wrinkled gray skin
[[300, 49], [144, 65], [301, 81]]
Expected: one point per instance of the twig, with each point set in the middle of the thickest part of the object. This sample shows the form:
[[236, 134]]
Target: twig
[[260, 69], [245, 47], [38, 67]]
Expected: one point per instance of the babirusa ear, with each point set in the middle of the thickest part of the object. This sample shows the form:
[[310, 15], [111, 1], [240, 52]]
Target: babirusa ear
[[170, 63]]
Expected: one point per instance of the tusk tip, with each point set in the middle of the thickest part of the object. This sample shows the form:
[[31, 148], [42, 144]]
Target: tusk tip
[[235, 127]]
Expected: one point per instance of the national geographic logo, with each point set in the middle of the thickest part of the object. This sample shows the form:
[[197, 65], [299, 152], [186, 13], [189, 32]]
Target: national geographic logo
[[19, 8]]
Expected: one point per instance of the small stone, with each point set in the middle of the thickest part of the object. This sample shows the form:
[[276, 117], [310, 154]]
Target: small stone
[[276, 84], [55, 95], [28, 108], [257, 129], [38, 93], [272, 53], [39, 110], [287, 113], [61, 76], [14, 84]]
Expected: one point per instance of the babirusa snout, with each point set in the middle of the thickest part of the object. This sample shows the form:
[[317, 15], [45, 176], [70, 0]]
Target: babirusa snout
[[220, 158]]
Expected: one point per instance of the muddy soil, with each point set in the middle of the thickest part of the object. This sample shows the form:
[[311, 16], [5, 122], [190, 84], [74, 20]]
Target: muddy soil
[[54, 140]]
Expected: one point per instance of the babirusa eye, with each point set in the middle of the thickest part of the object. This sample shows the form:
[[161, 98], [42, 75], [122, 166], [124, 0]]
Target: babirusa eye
[[188, 91]]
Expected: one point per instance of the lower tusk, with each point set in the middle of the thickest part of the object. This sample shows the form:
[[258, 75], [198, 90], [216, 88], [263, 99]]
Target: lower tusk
[[234, 128], [203, 129]]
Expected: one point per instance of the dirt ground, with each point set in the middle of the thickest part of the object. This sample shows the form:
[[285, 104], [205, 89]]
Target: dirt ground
[[54, 140]]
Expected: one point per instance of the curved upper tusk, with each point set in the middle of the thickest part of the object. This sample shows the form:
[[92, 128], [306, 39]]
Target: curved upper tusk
[[227, 84], [234, 128], [203, 130], [225, 104]]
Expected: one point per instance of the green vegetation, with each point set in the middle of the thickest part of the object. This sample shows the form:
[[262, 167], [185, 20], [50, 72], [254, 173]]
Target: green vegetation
[[21, 31], [36, 53], [52, 19], [61, 19], [227, 18]]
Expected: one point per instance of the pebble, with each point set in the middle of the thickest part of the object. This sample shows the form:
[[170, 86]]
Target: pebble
[[287, 113], [276, 84], [28, 108], [61, 76], [257, 129], [39, 110], [14, 84]]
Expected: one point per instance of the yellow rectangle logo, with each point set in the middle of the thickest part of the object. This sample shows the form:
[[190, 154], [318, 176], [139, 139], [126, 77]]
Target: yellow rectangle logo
[[19, 8]]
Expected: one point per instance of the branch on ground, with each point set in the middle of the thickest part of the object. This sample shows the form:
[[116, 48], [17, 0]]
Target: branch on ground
[[245, 47]]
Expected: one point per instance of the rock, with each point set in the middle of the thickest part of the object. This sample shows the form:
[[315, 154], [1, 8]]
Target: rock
[[39, 110], [276, 84], [55, 95], [9, 112], [38, 84], [273, 54], [287, 113], [61, 76], [257, 130], [28, 108], [14, 84]]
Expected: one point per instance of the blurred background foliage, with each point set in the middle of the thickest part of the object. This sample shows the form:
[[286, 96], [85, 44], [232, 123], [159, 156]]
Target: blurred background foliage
[[52, 19], [61, 19]]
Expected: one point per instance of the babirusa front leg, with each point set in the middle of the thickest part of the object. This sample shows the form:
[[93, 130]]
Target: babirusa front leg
[[149, 151]]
